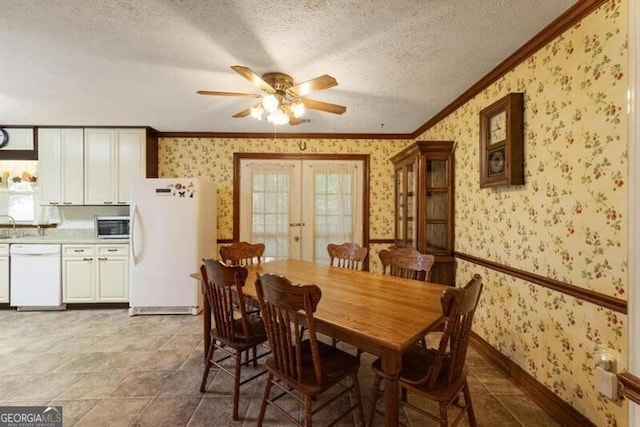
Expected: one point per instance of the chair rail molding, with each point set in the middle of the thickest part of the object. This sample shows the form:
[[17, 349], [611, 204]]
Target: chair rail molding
[[630, 388], [615, 304]]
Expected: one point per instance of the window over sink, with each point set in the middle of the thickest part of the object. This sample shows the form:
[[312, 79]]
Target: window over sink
[[19, 190]]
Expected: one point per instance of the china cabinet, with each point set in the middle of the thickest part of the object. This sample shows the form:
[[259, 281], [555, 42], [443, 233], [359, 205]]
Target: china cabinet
[[424, 191]]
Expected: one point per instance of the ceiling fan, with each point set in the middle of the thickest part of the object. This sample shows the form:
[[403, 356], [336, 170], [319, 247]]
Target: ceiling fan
[[281, 102]]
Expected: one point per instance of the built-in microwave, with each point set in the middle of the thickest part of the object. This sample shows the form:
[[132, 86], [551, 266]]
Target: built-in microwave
[[112, 227]]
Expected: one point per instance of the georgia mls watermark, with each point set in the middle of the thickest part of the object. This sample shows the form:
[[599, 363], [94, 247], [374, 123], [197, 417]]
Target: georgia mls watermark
[[30, 416]]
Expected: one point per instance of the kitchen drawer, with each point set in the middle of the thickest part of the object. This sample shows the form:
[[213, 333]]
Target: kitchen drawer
[[78, 250], [113, 250], [4, 250]]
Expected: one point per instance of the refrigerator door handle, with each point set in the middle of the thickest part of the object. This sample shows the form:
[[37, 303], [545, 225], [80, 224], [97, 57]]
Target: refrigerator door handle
[[134, 218]]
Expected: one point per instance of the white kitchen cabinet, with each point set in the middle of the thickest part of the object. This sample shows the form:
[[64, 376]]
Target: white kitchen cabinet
[[112, 157], [61, 164], [4, 273], [95, 273], [78, 273], [113, 273]]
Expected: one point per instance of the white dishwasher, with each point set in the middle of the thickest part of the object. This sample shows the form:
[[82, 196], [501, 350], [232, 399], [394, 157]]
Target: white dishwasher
[[35, 277]]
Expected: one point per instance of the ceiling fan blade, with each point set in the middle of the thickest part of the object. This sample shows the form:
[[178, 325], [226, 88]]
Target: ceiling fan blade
[[248, 74], [323, 106], [243, 113], [293, 121], [319, 83], [217, 93]]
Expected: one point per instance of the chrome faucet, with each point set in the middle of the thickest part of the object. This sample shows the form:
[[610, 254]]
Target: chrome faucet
[[13, 223]]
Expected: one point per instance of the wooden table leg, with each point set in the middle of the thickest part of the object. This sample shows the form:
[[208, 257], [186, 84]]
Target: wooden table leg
[[391, 364]]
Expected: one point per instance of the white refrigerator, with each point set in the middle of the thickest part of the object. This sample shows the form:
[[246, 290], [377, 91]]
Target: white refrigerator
[[173, 227]]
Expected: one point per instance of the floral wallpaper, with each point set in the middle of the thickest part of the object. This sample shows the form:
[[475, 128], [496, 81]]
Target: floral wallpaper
[[213, 158], [568, 222]]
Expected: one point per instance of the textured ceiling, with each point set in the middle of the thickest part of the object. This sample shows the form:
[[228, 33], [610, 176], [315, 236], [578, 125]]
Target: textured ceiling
[[140, 62]]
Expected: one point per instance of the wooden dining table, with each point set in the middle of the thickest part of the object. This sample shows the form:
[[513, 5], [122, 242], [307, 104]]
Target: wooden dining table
[[380, 314]]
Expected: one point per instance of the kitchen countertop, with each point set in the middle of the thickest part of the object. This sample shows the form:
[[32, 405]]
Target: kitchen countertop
[[59, 236]]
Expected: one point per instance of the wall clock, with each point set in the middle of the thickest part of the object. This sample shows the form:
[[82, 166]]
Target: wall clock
[[4, 137], [502, 142]]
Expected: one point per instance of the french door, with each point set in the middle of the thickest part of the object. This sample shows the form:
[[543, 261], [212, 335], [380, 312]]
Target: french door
[[297, 207]]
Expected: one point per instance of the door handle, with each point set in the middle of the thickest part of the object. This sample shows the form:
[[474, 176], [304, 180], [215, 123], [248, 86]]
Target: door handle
[[132, 242], [297, 238], [296, 224]]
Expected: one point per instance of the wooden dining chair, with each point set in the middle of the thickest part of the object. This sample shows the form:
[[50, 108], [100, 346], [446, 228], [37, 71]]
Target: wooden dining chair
[[234, 332], [406, 262], [301, 368], [440, 374], [242, 253], [347, 255]]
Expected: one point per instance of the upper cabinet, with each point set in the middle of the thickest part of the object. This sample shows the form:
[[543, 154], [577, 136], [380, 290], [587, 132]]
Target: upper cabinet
[[93, 166], [61, 166], [424, 183], [112, 157]]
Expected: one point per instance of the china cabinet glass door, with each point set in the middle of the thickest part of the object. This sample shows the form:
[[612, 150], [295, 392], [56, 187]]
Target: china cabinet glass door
[[411, 205], [406, 206], [400, 205], [436, 218]]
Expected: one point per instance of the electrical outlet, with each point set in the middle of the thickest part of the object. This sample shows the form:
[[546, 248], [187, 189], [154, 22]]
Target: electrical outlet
[[606, 383]]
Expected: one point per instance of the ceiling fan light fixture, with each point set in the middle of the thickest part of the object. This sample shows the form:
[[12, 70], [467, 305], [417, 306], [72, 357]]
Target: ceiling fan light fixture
[[278, 117], [256, 111], [297, 108], [270, 103], [281, 102]]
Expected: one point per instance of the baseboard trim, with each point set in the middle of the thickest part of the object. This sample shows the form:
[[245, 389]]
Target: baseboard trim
[[557, 408]]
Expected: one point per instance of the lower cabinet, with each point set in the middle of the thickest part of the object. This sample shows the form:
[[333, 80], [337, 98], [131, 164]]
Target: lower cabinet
[[4, 273], [95, 273]]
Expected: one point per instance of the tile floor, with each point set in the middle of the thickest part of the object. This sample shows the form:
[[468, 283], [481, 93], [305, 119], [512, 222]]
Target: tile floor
[[108, 369]]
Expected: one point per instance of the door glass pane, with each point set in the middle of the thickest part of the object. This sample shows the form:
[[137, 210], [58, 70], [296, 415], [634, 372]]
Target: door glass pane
[[436, 173], [270, 213], [333, 215], [436, 236]]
